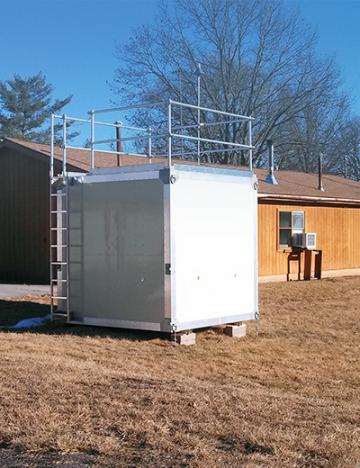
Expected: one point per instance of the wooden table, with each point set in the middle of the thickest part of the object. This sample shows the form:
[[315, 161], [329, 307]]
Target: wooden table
[[295, 255]]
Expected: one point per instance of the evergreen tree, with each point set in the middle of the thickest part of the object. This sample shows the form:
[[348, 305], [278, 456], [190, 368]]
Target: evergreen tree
[[26, 105]]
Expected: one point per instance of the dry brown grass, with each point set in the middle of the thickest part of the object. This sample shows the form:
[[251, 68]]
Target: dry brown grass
[[286, 398]]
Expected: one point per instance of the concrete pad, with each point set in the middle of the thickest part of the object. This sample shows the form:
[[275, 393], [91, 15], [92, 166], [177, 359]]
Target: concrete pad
[[18, 290], [235, 331], [186, 339]]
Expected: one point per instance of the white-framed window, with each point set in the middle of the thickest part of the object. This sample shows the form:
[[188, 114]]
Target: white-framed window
[[290, 223]]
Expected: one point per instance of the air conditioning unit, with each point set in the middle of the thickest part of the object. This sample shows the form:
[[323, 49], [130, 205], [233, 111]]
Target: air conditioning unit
[[305, 240]]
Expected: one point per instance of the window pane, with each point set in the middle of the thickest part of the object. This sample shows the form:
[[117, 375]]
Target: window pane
[[285, 237], [285, 219], [298, 220]]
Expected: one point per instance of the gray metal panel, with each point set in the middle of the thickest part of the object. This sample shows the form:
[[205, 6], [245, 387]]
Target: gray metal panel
[[122, 252]]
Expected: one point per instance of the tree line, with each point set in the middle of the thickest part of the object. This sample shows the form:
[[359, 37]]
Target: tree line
[[258, 57]]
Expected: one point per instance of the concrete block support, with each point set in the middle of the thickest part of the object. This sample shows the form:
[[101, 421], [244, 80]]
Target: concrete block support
[[235, 331], [186, 339]]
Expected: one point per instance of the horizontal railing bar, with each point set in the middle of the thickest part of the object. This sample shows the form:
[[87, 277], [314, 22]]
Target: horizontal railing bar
[[81, 148], [207, 124], [120, 125], [224, 150], [206, 109], [123, 108], [134, 138], [109, 152], [74, 119], [207, 140]]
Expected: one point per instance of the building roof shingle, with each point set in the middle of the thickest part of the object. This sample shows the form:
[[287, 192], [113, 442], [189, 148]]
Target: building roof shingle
[[291, 184]]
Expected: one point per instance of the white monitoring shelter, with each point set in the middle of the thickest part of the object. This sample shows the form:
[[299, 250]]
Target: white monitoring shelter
[[165, 245]]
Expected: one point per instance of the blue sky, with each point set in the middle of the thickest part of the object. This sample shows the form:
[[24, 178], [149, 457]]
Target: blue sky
[[72, 41]]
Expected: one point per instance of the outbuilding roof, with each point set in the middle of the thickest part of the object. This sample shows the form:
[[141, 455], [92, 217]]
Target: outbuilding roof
[[292, 185]]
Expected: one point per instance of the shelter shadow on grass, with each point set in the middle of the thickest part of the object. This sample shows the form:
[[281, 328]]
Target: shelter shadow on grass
[[12, 311]]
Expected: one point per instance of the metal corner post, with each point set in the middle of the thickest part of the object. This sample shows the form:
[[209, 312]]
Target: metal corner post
[[198, 112], [92, 139], [250, 144], [64, 145], [52, 148], [170, 132]]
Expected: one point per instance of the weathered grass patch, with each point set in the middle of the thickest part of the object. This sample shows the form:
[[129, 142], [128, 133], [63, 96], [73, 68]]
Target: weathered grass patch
[[288, 397]]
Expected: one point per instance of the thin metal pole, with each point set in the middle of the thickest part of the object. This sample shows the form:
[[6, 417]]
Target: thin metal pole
[[169, 130], [149, 146], [64, 146], [321, 186], [198, 111], [92, 139], [118, 144], [181, 109], [52, 148], [250, 144]]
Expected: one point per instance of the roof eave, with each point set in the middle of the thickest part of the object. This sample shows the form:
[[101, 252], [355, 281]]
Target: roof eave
[[308, 198]]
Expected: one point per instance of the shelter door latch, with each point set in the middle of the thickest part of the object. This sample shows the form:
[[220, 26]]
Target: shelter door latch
[[167, 268]]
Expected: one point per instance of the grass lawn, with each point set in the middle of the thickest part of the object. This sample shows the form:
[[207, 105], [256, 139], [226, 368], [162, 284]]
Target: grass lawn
[[289, 397]]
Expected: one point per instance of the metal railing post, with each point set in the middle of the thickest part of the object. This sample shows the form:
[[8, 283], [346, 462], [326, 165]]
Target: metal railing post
[[52, 148], [198, 111], [250, 144], [149, 145], [64, 145], [170, 132], [92, 139]]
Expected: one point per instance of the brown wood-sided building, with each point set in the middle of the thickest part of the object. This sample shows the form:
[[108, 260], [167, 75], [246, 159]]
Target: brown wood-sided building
[[294, 205]]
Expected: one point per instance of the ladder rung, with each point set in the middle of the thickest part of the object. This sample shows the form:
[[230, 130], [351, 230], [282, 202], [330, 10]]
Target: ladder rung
[[58, 194], [58, 280], [70, 228], [55, 245], [58, 297], [58, 263], [58, 211]]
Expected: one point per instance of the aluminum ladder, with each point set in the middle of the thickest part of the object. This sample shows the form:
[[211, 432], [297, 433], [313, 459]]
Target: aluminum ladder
[[59, 249]]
